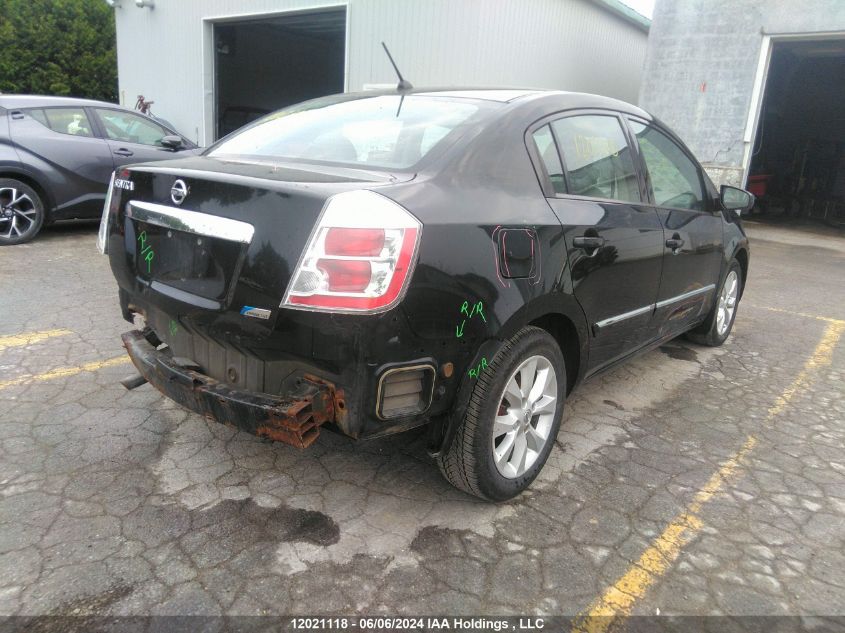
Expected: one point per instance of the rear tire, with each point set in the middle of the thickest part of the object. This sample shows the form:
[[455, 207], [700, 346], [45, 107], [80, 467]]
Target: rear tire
[[506, 435], [21, 212], [716, 329]]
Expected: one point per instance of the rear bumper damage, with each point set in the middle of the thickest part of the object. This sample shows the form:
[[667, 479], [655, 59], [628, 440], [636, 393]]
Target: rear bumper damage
[[293, 418]]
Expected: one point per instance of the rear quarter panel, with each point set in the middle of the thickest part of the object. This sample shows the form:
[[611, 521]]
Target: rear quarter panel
[[461, 303]]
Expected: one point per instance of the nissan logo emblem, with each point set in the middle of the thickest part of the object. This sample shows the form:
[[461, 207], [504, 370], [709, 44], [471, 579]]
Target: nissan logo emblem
[[178, 192]]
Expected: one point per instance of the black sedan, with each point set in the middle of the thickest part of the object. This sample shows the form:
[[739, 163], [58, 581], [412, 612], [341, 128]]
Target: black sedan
[[457, 259], [57, 156]]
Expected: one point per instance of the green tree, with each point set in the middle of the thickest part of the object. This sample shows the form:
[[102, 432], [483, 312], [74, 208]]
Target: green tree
[[58, 47]]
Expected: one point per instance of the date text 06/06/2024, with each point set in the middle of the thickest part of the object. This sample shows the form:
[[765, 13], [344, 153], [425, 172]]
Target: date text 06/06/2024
[[414, 623]]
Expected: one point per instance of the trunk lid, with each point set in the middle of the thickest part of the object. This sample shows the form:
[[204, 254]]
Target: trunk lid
[[221, 259]]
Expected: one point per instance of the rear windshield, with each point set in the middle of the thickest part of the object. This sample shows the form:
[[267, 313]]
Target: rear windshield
[[376, 132]]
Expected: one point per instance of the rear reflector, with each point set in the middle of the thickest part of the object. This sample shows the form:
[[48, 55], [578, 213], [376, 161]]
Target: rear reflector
[[405, 391]]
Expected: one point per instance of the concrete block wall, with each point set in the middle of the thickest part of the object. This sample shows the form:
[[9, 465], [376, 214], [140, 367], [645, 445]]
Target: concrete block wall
[[701, 64]]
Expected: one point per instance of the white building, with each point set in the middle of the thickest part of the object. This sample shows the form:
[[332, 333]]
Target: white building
[[210, 66]]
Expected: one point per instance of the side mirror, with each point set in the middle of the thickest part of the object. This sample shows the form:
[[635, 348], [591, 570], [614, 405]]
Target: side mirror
[[735, 199], [172, 142]]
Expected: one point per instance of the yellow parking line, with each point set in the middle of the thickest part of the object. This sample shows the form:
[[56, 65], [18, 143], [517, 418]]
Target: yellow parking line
[[806, 315], [65, 371], [618, 600], [16, 340]]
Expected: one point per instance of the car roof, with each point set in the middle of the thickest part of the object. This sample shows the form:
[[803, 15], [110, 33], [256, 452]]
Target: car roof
[[503, 95], [559, 99], [11, 102]]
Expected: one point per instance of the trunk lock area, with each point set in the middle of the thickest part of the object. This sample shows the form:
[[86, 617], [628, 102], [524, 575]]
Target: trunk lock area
[[293, 418]]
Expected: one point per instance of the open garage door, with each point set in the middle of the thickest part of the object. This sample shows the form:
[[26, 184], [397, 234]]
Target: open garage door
[[263, 64], [798, 159]]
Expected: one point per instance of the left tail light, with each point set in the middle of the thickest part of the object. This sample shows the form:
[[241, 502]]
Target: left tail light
[[103, 235], [359, 257]]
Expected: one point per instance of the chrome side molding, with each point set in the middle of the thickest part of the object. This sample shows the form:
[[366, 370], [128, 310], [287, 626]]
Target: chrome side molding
[[686, 295], [624, 316], [655, 306]]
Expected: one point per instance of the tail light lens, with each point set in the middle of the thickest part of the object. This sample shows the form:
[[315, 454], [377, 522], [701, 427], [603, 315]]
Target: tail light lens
[[367, 242], [359, 258], [109, 209], [103, 234]]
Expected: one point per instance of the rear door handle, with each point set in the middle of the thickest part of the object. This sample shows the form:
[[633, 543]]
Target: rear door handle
[[588, 242], [674, 243], [123, 152]]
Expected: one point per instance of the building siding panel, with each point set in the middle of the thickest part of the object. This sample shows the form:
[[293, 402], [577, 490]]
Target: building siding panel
[[164, 54]]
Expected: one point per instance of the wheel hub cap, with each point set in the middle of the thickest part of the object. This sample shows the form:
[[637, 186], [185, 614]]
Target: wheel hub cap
[[525, 416], [727, 303]]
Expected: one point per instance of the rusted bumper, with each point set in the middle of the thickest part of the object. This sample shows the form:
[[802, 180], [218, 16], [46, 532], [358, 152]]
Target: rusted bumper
[[293, 418]]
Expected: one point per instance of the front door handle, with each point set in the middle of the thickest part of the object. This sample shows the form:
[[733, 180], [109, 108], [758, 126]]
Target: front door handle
[[588, 242], [675, 243], [123, 152]]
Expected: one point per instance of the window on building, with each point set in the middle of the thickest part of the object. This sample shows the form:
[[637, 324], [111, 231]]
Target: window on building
[[675, 180], [548, 153], [71, 121], [130, 128], [597, 157]]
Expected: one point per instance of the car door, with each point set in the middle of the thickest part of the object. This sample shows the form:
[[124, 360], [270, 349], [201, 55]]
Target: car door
[[133, 138], [692, 254], [614, 240], [60, 143]]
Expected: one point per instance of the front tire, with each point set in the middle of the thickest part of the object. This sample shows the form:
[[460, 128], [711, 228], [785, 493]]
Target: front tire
[[716, 329], [21, 212], [512, 419]]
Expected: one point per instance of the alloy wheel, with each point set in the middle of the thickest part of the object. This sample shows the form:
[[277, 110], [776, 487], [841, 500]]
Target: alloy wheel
[[525, 416], [18, 213], [727, 303]]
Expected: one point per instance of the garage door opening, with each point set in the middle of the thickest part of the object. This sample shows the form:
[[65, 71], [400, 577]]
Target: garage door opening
[[271, 62], [798, 157]]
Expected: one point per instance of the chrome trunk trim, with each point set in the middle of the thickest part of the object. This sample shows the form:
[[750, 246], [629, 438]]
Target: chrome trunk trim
[[191, 221]]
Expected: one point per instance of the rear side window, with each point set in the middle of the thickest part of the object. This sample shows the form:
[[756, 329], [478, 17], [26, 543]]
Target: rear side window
[[597, 157], [39, 116], [548, 153], [675, 180], [71, 121]]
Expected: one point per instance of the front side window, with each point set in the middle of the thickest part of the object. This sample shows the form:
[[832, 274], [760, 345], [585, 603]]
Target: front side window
[[386, 131], [675, 180], [71, 121], [548, 153], [130, 128], [597, 157]]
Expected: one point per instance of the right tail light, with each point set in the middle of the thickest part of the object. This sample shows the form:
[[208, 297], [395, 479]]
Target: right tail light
[[359, 258]]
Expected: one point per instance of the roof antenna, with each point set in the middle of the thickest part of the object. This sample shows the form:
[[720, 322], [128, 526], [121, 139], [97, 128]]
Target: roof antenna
[[403, 84]]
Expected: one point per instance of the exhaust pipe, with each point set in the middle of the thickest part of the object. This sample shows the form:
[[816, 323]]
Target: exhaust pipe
[[133, 382]]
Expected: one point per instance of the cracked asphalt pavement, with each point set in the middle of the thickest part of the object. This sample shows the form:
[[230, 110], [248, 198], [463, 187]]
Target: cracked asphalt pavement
[[121, 503]]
